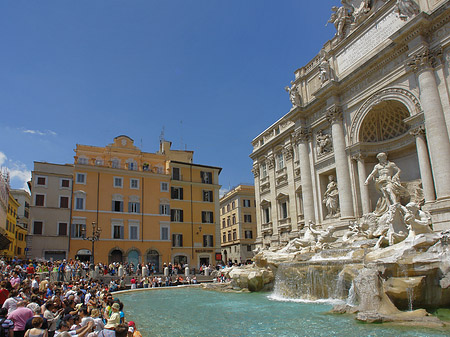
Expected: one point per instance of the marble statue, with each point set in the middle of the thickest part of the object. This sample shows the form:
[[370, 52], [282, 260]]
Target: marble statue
[[417, 221], [324, 237], [387, 182], [324, 142], [331, 198], [294, 95], [341, 18], [406, 9], [325, 73], [308, 239]]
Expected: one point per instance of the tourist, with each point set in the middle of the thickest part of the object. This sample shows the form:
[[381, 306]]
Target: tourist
[[133, 330], [52, 314], [7, 324], [64, 326], [37, 330], [36, 311], [4, 291]]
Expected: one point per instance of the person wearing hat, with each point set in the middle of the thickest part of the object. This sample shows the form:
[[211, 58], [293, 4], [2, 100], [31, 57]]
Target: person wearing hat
[[114, 319], [132, 330]]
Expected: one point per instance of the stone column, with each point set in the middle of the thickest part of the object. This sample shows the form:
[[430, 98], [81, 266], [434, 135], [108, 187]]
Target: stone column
[[301, 137], [437, 134], [288, 153], [424, 163], [270, 162], [259, 236], [334, 116], [364, 189]]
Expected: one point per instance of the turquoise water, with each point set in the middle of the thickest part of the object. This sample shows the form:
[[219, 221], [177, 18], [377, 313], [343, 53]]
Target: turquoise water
[[197, 312]]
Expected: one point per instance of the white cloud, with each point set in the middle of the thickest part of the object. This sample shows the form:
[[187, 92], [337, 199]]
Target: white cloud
[[18, 172], [223, 191], [40, 133]]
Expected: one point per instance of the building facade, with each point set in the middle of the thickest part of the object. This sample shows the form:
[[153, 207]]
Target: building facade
[[50, 211], [23, 217], [151, 207], [238, 224], [380, 85], [4, 199]]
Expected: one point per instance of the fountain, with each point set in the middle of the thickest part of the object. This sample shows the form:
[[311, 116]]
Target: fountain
[[389, 266]]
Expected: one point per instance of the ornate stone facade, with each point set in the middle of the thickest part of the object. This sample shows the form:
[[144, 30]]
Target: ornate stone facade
[[380, 85]]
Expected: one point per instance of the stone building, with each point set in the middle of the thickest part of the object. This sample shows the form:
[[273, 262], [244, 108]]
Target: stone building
[[50, 211], [23, 199], [238, 224], [381, 84]]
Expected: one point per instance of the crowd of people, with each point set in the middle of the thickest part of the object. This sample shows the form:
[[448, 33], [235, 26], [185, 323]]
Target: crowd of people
[[34, 306]]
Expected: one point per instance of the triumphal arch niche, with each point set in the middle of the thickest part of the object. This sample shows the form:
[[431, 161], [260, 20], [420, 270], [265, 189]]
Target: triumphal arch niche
[[368, 125]]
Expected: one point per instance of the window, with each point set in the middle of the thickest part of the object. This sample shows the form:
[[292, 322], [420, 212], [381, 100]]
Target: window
[[247, 218], [164, 209], [134, 231], [65, 183], [208, 240], [99, 162], [233, 205], [118, 182], [229, 235], [223, 223], [83, 161], [248, 234], [224, 237], [176, 215], [41, 181], [79, 203], [63, 202], [134, 183], [208, 196], [81, 178], [206, 177], [164, 187], [228, 207], [132, 166], [62, 229], [164, 233], [26, 214], [117, 231], [133, 207], [280, 161], [249, 248], [246, 203], [266, 214], [283, 209], [233, 219], [37, 227], [39, 200], [176, 173], [117, 206], [228, 222], [115, 163], [177, 240], [78, 230], [207, 217], [234, 235], [263, 170], [177, 193]]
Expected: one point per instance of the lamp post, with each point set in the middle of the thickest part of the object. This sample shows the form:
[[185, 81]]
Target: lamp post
[[96, 230]]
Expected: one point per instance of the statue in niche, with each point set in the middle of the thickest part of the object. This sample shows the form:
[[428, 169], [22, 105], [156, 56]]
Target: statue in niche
[[294, 95], [325, 71], [387, 182], [406, 9], [324, 142], [331, 198]]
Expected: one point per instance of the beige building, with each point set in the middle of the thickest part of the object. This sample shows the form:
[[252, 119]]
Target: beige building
[[4, 199], [50, 211], [380, 85], [238, 224]]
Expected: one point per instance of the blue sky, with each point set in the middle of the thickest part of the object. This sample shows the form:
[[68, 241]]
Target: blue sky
[[210, 72]]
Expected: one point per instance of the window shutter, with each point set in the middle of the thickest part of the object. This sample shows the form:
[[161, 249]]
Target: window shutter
[[121, 206], [211, 216], [160, 209], [129, 207], [172, 192], [172, 215], [72, 230], [138, 207], [112, 207], [211, 196], [181, 193], [181, 215], [174, 237], [121, 232], [181, 240], [205, 241], [203, 217]]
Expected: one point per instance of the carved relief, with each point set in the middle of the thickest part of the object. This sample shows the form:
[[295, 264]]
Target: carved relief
[[288, 152], [270, 161], [255, 171], [423, 59], [324, 143], [418, 131], [406, 9]]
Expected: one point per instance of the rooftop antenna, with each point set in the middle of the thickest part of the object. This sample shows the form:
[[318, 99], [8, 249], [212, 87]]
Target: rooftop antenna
[[181, 135], [161, 136]]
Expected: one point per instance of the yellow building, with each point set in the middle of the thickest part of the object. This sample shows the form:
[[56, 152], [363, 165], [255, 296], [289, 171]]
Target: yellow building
[[146, 205], [238, 224], [16, 233]]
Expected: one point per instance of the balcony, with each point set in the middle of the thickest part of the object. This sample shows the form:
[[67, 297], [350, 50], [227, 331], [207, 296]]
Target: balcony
[[266, 228], [284, 225]]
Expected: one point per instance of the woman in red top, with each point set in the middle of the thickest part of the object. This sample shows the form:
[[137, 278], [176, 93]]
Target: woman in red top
[[4, 293], [30, 269]]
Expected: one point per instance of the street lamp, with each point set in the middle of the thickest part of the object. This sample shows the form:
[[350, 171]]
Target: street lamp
[[96, 230]]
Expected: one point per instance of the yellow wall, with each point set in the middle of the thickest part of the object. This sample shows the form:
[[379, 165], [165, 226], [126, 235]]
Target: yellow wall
[[13, 231]]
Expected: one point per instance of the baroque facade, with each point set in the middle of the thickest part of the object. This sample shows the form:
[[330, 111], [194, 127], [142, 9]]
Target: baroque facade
[[380, 85]]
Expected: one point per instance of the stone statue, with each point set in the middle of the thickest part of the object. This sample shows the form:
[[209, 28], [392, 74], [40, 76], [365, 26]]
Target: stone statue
[[309, 239], [391, 226], [324, 70], [341, 18], [324, 142], [331, 198], [324, 237], [294, 95], [387, 182], [417, 221], [406, 9]]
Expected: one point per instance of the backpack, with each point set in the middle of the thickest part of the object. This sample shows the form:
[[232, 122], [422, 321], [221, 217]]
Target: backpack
[[2, 329]]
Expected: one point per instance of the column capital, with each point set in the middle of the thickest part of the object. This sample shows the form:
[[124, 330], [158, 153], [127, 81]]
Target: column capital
[[255, 170], [301, 135], [418, 131], [334, 114], [270, 161], [288, 152], [359, 156], [424, 59]]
